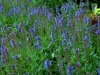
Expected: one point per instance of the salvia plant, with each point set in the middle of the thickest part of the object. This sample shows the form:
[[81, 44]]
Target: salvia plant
[[35, 41]]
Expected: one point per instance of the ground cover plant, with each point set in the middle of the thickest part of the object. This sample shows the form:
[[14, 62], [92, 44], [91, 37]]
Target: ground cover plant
[[35, 41]]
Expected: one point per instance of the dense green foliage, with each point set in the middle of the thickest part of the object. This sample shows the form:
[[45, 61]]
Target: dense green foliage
[[36, 41]]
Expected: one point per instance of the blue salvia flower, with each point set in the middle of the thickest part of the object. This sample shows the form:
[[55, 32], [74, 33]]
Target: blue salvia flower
[[16, 57], [82, 11], [77, 51], [65, 34], [26, 73], [99, 70], [59, 20], [3, 40], [39, 44], [38, 38], [54, 26], [3, 60], [1, 8], [94, 27], [28, 0], [57, 9], [49, 16], [32, 31], [4, 51], [77, 14], [70, 24], [63, 7], [98, 32], [93, 7], [47, 63], [70, 69], [43, 10], [98, 25], [20, 29], [29, 10], [86, 4], [69, 16], [53, 36], [78, 64], [13, 43], [70, 42], [22, 5], [85, 20], [59, 69], [35, 11], [86, 38], [64, 42], [14, 11]]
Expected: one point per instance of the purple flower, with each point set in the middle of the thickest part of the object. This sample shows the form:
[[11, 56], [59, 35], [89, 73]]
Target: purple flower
[[65, 34], [22, 5], [98, 32], [28, 0], [98, 25], [47, 64], [79, 12], [70, 69], [26, 73], [70, 24], [99, 70], [20, 29], [13, 43], [78, 64], [3, 60], [39, 45], [57, 9], [14, 11], [85, 20], [64, 42], [32, 31], [77, 51], [53, 36], [93, 7], [49, 16], [1, 8], [86, 38], [4, 51], [3, 40], [35, 11], [16, 57], [38, 38]]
